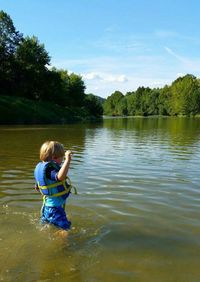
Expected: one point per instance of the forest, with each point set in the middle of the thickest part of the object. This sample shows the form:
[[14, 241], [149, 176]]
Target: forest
[[25, 73], [181, 98], [30, 88]]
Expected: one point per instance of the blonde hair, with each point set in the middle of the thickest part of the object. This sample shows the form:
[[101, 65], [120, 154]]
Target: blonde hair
[[50, 150]]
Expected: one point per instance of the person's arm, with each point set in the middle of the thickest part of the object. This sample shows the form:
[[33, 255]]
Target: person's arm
[[65, 167]]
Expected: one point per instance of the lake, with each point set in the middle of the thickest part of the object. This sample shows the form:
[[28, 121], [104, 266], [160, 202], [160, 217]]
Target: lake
[[136, 216]]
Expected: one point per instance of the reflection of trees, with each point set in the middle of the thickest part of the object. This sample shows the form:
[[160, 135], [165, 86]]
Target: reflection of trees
[[179, 131], [20, 145]]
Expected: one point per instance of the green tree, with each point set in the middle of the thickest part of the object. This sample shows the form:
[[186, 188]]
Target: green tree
[[9, 37], [121, 107], [182, 91], [32, 60], [194, 103], [191, 103], [93, 105], [76, 90], [111, 104], [32, 54], [152, 102], [62, 87], [164, 105], [52, 88], [141, 103], [131, 103], [66, 89], [9, 41]]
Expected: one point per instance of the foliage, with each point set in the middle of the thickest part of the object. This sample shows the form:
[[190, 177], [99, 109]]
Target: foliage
[[24, 70], [9, 40], [31, 72], [185, 96], [9, 37], [131, 103], [76, 90], [181, 98], [21, 111], [111, 106], [93, 105]]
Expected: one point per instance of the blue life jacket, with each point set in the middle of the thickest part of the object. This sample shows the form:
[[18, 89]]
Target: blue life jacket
[[49, 187]]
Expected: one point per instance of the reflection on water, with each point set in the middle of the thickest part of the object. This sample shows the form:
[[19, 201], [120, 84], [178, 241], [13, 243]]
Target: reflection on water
[[136, 217]]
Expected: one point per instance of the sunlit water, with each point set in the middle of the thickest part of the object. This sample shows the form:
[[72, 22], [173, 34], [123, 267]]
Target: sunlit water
[[136, 216]]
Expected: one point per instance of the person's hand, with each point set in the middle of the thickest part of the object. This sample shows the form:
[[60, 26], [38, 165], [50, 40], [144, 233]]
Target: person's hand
[[68, 155]]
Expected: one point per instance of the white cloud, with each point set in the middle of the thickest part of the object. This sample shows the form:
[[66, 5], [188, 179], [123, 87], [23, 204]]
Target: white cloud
[[122, 78], [105, 77], [115, 78], [179, 74], [91, 76]]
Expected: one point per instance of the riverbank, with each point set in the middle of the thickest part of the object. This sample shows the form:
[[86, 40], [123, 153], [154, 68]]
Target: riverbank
[[18, 110]]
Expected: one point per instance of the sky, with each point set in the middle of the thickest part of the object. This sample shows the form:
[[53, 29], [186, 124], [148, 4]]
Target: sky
[[114, 45]]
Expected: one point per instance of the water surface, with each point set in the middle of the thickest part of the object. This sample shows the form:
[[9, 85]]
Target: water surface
[[136, 217]]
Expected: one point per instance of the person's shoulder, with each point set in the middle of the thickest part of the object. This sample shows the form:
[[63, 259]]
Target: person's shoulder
[[38, 165]]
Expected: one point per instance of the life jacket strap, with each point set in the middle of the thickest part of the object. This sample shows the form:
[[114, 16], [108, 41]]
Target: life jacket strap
[[56, 184], [53, 185], [71, 186]]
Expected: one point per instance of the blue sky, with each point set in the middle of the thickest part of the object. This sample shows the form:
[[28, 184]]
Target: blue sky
[[115, 45]]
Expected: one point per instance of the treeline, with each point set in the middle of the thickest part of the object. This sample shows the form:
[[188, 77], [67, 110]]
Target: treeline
[[182, 97], [25, 72]]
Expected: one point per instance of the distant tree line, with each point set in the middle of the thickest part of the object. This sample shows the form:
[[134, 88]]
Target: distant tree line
[[25, 72], [182, 97]]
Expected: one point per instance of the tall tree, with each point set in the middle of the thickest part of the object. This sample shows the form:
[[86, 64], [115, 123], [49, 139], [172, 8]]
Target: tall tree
[[131, 107], [182, 90], [10, 39], [164, 104], [32, 60], [93, 105], [111, 103], [76, 90]]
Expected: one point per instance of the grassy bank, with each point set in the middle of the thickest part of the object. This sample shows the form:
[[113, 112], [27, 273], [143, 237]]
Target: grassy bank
[[17, 110]]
